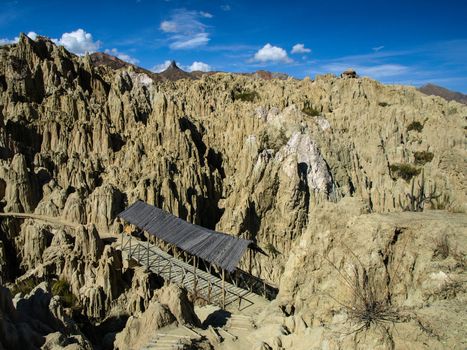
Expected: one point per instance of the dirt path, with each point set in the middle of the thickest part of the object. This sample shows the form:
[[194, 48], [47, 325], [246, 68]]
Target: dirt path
[[50, 219]]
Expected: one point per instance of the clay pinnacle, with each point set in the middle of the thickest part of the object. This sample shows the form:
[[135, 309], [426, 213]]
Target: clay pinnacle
[[173, 64]]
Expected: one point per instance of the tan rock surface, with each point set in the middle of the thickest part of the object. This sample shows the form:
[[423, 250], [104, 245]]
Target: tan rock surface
[[401, 258], [80, 143], [176, 300], [139, 330]]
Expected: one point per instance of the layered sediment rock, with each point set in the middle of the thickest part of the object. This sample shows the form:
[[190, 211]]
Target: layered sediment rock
[[400, 272], [251, 157], [104, 138]]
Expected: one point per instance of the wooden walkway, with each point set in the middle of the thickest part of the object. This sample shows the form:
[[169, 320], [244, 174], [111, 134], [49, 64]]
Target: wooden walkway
[[199, 282]]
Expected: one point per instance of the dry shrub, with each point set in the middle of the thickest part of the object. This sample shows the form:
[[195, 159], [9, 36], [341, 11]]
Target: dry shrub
[[369, 303], [245, 95], [450, 289], [24, 287], [423, 157], [415, 125], [442, 247], [404, 171], [62, 289]]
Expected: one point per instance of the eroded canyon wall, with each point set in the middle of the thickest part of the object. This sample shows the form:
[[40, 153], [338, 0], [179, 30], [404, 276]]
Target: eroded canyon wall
[[83, 142]]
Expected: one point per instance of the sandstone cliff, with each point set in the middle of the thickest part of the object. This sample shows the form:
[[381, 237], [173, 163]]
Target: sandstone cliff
[[248, 156]]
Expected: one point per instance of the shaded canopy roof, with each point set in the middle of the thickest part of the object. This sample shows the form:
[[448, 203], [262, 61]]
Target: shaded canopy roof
[[217, 248]]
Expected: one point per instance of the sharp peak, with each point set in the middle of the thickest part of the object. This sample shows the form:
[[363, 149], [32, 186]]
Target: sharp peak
[[173, 68]]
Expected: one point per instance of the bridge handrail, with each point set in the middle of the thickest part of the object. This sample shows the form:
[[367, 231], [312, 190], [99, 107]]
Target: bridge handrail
[[174, 262]]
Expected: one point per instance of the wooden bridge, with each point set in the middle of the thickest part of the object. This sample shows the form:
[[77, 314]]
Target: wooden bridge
[[220, 282], [201, 283], [199, 245]]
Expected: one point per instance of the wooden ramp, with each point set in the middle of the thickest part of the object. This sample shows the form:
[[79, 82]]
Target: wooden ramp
[[199, 282]]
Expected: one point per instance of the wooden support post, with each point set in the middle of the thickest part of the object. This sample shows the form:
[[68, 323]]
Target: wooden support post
[[149, 267], [195, 279], [235, 279], [209, 285], [223, 288], [121, 245], [130, 247]]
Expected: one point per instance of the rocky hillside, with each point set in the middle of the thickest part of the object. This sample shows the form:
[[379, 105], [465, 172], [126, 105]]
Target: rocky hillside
[[257, 158], [431, 89]]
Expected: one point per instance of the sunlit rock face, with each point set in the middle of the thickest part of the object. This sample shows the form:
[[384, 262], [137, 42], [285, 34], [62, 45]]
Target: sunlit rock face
[[83, 142], [264, 159]]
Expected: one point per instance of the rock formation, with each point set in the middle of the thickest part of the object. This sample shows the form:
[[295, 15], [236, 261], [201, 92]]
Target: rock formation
[[349, 261], [316, 172], [432, 89]]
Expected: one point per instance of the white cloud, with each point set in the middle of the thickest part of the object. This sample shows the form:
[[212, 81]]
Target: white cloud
[[271, 53], [199, 66], [225, 7], [185, 29], [195, 66], [375, 71], [122, 56], [6, 41], [378, 48], [206, 14], [300, 48], [189, 42], [169, 26], [383, 70], [79, 41], [32, 35]]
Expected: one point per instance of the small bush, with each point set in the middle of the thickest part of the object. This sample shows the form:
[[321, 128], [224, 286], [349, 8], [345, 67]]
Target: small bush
[[274, 139], [442, 248], [311, 111], [450, 289], [383, 104], [368, 304], [460, 258], [246, 95], [63, 290], [308, 109], [416, 125], [423, 157], [404, 171], [24, 287], [443, 202]]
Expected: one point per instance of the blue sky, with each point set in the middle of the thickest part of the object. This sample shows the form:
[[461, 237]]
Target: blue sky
[[408, 42]]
